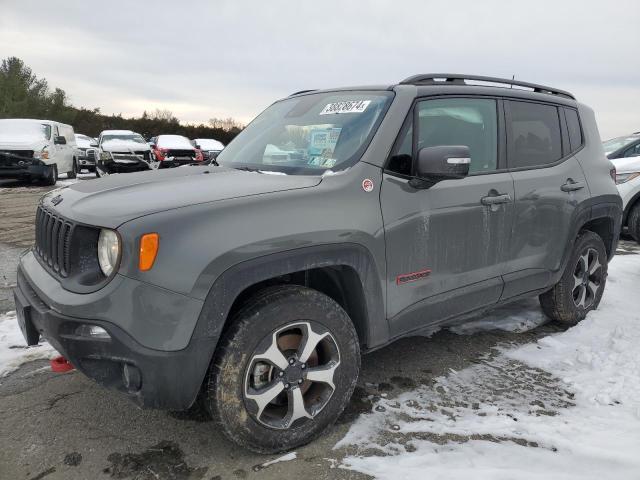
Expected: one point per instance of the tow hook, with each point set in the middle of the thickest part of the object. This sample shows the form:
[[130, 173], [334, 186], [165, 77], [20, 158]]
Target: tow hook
[[60, 365]]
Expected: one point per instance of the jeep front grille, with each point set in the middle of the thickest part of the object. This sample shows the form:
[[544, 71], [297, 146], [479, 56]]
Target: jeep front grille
[[53, 240]]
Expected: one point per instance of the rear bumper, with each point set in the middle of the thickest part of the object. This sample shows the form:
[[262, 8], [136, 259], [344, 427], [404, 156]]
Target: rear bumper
[[151, 377]]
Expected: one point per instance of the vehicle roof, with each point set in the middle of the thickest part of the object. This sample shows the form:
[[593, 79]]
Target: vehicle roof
[[34, 120], [118, 132], [448, 83]]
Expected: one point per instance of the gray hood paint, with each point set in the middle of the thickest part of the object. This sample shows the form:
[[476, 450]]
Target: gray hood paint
[[114, 200]]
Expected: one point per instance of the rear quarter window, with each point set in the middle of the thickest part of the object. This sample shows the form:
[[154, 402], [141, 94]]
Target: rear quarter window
[[573, 126]]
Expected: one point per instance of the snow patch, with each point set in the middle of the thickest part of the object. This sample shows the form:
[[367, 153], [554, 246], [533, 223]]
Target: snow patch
[[565, 407], [13, 348], [284, 458]]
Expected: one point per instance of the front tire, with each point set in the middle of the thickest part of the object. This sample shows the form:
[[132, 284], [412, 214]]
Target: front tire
[[284, 371], [581, 286], [74, 170], [51, 176]]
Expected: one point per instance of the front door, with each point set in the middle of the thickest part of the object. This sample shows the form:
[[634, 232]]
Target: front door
[[446, 244]]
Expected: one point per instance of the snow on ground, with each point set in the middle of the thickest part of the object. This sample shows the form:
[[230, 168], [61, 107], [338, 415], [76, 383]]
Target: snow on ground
[[565, 407], [13, 348]]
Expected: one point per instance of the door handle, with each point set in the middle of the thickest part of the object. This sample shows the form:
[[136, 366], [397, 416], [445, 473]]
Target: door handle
[[572, 186], [496, 199]]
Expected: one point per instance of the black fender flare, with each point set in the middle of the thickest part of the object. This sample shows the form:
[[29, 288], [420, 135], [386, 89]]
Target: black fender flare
[[233, 281]]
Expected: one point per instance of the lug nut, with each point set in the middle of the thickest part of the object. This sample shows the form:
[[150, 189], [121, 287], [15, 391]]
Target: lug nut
[[281, 374], [286, 385], [299, 381], [292, 361], [304, 365]]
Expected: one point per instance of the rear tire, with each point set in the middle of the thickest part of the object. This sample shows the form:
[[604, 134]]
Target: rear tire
[[51, 176], [633, 222], [581, 286], [264, 389]]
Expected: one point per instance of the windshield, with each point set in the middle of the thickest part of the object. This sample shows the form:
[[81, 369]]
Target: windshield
[[128, 137], [614, 144], [308, 134], [23, 131]]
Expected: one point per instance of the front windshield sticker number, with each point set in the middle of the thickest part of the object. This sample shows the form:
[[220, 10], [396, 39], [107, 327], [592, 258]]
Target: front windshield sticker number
[[352, 106], [367, 185]]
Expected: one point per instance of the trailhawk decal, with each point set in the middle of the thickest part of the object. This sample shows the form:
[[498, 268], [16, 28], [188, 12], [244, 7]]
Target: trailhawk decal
[[352, 106], [412, 277]]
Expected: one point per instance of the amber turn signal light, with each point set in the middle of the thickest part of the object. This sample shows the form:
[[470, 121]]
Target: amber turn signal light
[[149, 243]]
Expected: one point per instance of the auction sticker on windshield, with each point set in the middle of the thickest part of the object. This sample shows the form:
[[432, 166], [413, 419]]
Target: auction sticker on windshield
[[352, 106]]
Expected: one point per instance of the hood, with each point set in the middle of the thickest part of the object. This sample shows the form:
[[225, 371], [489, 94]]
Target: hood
[[24, 143], [626, 165], [111, 201], [124, 146]]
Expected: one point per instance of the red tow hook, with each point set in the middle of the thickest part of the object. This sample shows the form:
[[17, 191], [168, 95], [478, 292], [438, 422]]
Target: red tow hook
[[60, 365]]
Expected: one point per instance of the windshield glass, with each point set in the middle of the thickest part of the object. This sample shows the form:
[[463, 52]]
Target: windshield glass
[[128, 137], [309, 134], [23, 131], [614, 144]]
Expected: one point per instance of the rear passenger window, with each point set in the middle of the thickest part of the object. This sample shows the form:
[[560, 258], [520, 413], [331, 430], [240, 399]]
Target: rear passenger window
[[472, 122], [533, 134], [573, 125]]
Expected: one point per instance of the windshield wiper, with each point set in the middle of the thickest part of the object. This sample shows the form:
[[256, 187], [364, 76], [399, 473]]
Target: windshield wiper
[[245, 169]]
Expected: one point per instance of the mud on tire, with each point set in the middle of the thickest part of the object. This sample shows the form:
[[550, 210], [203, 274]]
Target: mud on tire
[[581, 286], [291, 343]]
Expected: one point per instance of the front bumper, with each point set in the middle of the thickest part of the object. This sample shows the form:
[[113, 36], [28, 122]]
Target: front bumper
[[36, 169], [152, 377]]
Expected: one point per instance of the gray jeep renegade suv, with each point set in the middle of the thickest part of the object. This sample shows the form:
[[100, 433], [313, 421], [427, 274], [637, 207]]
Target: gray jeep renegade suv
[[336, 222]]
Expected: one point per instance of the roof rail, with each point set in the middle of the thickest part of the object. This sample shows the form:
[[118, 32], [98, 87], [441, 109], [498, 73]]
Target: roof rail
[[458, 79], [302, 91]]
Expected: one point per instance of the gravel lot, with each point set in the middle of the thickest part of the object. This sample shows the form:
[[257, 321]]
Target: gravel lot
[[63, 426]]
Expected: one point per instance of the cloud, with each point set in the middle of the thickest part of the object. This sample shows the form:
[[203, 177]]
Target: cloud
[[233, 58]]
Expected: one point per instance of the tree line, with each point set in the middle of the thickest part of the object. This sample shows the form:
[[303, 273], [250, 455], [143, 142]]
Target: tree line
[[24, 95]]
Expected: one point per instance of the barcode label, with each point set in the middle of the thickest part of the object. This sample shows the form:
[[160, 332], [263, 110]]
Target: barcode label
[[353, 106]]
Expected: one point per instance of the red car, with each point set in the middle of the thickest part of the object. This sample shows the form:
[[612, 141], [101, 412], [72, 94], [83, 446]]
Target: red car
[[174, 150]]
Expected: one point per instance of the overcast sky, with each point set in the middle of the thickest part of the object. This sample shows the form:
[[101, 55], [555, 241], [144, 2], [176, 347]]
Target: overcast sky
[[233, 58]]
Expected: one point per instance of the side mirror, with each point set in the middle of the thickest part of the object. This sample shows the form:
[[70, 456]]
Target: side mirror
[[93, 145], [60, 140], [434, 164]]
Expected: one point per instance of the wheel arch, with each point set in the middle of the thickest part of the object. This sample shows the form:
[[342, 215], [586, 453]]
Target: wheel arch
[[630, 204], [345, 272]]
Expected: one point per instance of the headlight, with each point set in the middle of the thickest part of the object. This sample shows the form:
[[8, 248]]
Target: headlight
[[625, 177], [108, 251], [42, 155], [105, 156]]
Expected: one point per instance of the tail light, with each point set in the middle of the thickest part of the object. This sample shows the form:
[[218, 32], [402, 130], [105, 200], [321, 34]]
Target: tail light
[[199, 156]]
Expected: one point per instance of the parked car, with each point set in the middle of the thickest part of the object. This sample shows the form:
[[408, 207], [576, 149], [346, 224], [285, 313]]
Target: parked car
[[253, 287], [122, 151], [36, 150], [624, 153], [209, 147], [87, 148], [175, 150]]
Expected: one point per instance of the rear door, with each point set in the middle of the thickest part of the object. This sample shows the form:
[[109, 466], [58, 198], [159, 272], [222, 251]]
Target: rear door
[[549, 187], [446, 244]]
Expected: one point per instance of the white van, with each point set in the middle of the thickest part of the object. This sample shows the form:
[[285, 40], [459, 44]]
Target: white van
[[36, 149]]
